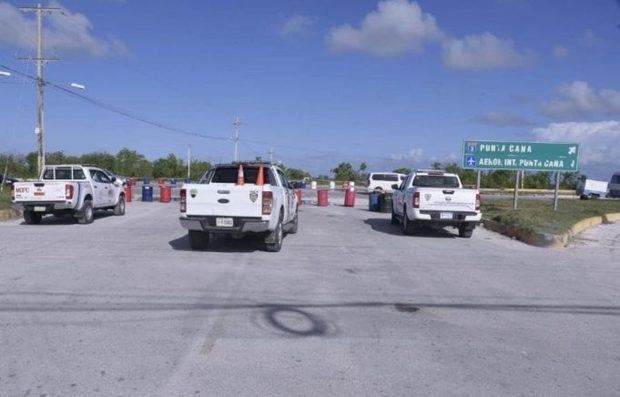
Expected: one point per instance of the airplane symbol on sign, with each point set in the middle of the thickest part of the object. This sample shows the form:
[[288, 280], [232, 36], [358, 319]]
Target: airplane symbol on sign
[[572, 150], [471, 161]]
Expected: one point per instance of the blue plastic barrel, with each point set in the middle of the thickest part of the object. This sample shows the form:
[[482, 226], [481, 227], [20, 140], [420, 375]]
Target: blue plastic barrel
[[146, 181], [373, 202], [303, 185], [147, 193], [172, 181], [187, 180]]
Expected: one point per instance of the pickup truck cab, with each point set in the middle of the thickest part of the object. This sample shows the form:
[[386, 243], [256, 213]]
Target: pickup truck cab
[[68, 189], [238, 199], [437, 199]]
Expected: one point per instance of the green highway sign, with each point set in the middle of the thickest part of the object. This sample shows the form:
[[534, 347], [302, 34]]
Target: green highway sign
[[528, 156]]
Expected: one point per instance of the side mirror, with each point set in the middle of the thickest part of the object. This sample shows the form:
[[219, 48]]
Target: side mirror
[[113, 179], [395, 186]]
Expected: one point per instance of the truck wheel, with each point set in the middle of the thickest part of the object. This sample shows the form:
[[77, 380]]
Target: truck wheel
[[198, 240], [294, 225], [32, 218], [273, 241], [119, 208], [407, 225], [88, 213], [465, 232], [394, 219]]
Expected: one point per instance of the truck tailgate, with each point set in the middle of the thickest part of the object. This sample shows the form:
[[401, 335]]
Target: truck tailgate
[[224, 199], [39, 191], [452, 199]]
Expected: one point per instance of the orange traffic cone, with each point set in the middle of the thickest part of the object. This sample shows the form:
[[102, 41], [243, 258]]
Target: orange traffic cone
[[260, 178], [240, 177]]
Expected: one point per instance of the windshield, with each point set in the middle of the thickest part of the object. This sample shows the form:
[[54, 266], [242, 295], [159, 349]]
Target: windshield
[[440, 181], [230, 174]]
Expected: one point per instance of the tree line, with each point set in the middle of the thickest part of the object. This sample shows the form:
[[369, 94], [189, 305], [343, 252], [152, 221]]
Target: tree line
[[130, 163]]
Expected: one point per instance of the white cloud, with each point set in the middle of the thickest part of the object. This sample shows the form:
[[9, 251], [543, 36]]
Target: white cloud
[[396, 27], [64, 33], [415, 154], [579, 99], [502, 120], [598, 140], [560, 52], [484, 51], [296, 25]]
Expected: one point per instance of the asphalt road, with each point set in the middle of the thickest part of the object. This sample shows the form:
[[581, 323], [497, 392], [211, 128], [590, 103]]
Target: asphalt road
[[349, 307]]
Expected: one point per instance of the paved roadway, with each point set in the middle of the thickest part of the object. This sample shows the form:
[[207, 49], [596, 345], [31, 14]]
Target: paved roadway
[[350, 307]]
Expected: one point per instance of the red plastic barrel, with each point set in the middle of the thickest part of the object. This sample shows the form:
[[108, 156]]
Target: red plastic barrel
[[323, 198], [349, 198], [128, 194], [132, 181], [298, 193], [161, 181], [165, 194]]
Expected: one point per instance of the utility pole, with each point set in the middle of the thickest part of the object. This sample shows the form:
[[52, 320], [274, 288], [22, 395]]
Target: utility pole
[[271, 155], [189, 161], [237, 125], [40, 60]]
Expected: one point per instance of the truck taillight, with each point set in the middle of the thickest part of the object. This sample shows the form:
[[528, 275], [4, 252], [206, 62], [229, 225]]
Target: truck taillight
[[68, 191], [477, 202], [267, 202], [183, 200], [416, 200]]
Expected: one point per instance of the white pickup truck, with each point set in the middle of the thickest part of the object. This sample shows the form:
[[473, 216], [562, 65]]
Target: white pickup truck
[[68, 189], [239, 199], [437, 199]]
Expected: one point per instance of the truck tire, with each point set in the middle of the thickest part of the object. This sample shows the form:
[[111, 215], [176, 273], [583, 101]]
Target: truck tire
[[32, 218], [466, 232], [88, 213], [119, 208], [294, 224], [198, 240], [407, 226], [394, 219], [273, 241]]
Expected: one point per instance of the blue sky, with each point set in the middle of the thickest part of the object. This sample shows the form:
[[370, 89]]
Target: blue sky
[[393, 82]]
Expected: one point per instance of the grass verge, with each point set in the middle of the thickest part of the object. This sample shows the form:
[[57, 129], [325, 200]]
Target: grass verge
[[538, 215], [5, 198]]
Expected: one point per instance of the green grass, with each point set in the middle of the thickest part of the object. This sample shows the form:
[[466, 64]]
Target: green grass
[[538, 215], [5, 198]]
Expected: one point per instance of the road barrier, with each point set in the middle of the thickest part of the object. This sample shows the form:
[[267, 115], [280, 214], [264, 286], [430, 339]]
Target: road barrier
[[373, 202], [349, 198], [127, 190], [147, 194], [298, 193], [323, 198], [165, 194]]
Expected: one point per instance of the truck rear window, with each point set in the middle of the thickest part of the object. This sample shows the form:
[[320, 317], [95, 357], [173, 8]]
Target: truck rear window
[[229, 175], [436, 181]]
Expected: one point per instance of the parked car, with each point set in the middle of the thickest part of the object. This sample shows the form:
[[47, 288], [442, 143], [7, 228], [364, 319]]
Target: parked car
[[68, 189], [614, 185], [7, 180], [590, 188], [383, 181], [437, 199], [236, 199]]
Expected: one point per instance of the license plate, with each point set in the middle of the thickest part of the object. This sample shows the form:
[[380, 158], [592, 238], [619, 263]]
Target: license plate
[[445, 215], [40, 209], [224, 222]]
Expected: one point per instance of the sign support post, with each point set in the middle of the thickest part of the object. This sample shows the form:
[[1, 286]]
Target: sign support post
[[557, 188], [515, 196], [478, 180]]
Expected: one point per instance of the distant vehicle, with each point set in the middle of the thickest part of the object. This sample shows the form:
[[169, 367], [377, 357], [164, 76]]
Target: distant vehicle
[[7, 180], [68, 190], [383, 181], [232, 199], [436, 199], [614, 185], [590, 188]]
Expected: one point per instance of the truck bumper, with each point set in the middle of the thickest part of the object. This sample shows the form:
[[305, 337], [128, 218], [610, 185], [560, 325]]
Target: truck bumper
[[458, 217], [50, 206], [240, 224]]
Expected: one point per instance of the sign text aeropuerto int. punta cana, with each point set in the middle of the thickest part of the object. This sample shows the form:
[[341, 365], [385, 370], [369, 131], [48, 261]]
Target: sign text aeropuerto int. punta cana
[[529, 156]]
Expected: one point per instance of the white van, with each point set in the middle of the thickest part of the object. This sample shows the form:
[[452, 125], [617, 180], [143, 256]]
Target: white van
[[383, 181]]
